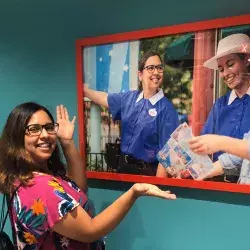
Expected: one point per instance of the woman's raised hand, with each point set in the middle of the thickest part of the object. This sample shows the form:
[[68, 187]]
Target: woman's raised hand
[[66, 127]]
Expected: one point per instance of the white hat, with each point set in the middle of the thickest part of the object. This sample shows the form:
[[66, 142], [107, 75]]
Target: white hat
[[236, 43]]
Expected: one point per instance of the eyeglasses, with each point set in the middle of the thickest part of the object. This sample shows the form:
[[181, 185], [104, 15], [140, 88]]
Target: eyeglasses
[[36, 129], [151, 68]]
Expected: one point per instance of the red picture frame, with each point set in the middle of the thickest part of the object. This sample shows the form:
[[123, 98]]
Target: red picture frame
[[135, 35]]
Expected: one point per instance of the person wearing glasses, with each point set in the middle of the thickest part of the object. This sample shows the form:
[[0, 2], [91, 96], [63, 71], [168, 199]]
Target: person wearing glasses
[[50, 209], [147, 117]]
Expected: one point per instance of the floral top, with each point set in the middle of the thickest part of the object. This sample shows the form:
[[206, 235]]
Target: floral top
[[37, 207]]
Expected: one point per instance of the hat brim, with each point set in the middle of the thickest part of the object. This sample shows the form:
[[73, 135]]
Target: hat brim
[[212, 62]]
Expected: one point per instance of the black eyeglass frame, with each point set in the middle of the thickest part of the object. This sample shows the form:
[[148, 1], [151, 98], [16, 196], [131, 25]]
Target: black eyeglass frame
[[55, 124], [160, 68]]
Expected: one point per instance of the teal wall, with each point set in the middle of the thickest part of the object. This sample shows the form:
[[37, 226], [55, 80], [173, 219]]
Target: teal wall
[[37, 62]]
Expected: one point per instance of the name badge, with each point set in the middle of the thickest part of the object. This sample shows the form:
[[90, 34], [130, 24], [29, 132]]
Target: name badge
[[152, 112]]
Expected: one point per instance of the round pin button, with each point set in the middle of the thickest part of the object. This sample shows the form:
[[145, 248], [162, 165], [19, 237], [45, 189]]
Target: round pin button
[[152, 112]]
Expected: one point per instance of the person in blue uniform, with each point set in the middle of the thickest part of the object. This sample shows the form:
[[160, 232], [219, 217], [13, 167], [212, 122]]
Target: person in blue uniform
[[230, 113], [147, 117]]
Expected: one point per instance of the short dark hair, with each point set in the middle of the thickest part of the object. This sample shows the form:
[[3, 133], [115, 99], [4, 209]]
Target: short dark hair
[[14, 162], [145, 57], [143, 60]]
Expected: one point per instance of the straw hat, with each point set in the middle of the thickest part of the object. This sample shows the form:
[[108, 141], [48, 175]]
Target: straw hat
[[236, 43]]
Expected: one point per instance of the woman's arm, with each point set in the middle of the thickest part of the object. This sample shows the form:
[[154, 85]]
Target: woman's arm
[[161, 171], [79, 226], [209, 144], [217, 170], [98, 97], [234, 146], [75, 167]]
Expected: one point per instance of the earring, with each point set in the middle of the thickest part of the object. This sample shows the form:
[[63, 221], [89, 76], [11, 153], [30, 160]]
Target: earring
[[248, 61]]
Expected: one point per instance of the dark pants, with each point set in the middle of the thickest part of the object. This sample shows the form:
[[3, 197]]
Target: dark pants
[[130, 165], [224, 178]]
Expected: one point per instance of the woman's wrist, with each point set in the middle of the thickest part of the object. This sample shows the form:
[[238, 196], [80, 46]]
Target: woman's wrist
[[135, 192], [224, 142], [66, 142], [85, 91]]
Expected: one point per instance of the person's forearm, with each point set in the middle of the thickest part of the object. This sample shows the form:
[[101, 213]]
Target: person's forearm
[[107, 220], [161, 171], [98, 97], [75, 166], [218, 170], [235, 146]]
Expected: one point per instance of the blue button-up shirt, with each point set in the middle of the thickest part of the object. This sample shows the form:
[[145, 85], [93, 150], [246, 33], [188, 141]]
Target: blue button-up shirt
[[146, 124], [230, 116], [236, 164]]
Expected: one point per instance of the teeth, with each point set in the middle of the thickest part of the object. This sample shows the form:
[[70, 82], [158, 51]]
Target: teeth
[[230, 79], [44, 145]]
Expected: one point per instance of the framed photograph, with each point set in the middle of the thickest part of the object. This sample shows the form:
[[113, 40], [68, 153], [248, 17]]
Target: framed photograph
[[110, 64]]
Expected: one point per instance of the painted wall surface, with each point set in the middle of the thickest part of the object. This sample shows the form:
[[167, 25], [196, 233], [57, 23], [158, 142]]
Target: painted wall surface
[[196, 220], [37, 62]]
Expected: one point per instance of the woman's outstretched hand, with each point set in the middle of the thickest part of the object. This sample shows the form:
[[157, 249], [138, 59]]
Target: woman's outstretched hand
[[144, 189]]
